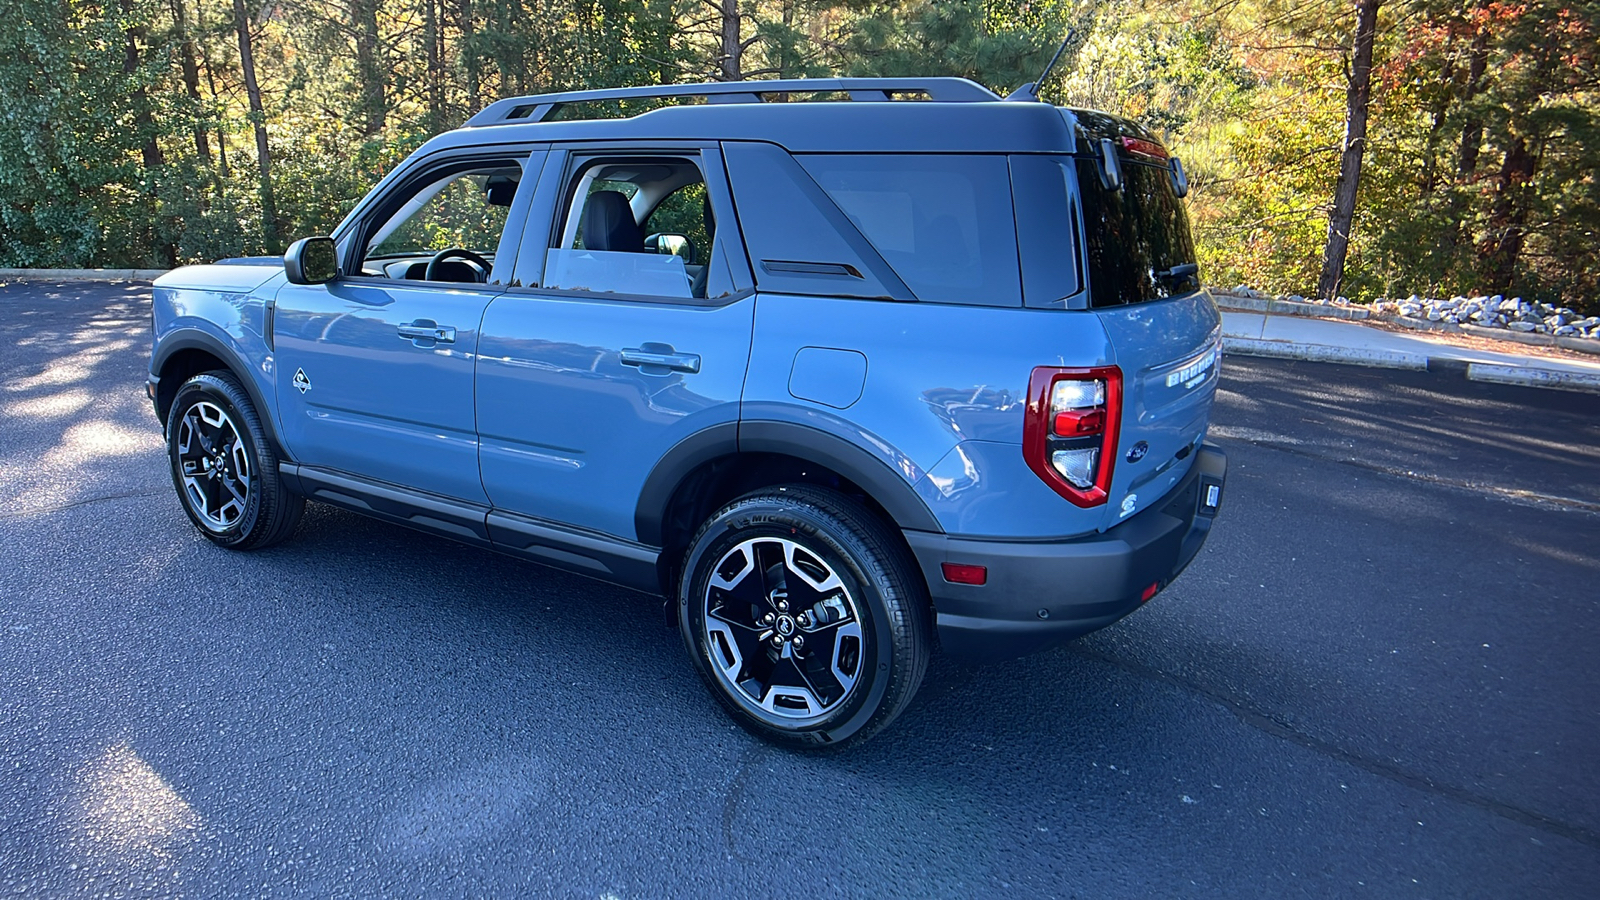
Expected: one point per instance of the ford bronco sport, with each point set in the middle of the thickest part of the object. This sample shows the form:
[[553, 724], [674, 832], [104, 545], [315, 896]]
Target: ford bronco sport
[[899, 366]]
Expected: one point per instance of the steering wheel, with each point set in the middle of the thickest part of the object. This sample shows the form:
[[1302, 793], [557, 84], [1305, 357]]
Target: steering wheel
[[455, 253]]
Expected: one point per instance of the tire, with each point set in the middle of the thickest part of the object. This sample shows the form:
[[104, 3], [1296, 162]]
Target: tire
[[802, 562], [224, 468]]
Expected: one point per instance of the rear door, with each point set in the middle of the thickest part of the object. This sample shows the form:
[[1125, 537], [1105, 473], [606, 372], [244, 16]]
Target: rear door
[[612, 352], [1165, 330]]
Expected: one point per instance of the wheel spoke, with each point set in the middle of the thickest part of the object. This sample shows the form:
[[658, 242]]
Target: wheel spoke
[[759, 594], [213, 465]]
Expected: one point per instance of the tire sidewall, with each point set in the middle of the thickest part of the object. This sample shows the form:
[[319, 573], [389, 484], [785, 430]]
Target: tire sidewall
[[834, 544], [212, 389]]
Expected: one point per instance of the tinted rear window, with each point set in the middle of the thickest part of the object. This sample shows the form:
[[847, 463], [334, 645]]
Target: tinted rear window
[[1134, 234], [943, 223]]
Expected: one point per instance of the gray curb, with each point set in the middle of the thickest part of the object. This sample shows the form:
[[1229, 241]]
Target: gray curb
[[1521, 376], [1544, 378], [81, 274], [1383, 359], [1240, 303], [1289, 307]]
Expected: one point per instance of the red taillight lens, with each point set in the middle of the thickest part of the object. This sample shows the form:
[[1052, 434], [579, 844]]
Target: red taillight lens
[[1069, 435], [1079, 422], [964, 573]]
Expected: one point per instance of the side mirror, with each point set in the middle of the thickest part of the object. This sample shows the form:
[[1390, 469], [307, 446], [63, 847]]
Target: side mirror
[[668, 244], [1180, 178], [312, 260]]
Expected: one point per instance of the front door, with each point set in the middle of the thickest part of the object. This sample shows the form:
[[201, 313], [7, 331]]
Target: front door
[[375, 369], [637, 337]]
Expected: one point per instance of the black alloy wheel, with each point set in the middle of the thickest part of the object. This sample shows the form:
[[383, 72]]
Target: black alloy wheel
[[223, 467], [805, 616]]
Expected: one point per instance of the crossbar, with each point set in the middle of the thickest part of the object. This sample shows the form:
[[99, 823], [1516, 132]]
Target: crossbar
[[538, 107]]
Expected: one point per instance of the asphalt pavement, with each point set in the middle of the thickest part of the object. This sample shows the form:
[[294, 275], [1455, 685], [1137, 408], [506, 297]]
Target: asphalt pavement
[[1378, 679]]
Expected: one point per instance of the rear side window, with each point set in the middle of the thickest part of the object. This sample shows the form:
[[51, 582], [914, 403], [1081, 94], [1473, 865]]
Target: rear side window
[[943, 223], [1137, 237]]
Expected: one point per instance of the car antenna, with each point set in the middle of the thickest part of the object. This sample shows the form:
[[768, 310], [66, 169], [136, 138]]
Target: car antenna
[[1030, 91]]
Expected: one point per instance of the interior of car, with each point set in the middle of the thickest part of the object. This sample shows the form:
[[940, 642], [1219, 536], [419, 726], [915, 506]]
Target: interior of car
[[447, 231], [635, 225]]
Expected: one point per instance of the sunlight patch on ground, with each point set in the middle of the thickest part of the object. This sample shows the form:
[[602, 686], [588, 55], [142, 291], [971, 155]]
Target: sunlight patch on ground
[[87, 441], [52, 406], [70, 369], [130, 812]]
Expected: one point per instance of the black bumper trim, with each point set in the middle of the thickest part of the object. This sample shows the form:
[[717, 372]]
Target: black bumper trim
[[1040, 595]]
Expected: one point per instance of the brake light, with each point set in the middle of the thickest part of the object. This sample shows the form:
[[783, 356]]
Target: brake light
[[1069, 435], [1144, 147]]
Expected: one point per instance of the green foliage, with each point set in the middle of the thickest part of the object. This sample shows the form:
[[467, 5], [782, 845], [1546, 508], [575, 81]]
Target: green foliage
[[125, 136]]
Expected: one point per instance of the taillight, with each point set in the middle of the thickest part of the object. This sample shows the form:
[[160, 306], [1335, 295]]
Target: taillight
[[1069, 437]]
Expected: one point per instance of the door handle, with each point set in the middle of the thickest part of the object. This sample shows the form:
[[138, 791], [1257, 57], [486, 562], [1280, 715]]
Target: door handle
[[659, 359], [427, 330]]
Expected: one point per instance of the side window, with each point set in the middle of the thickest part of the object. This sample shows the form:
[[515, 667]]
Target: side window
[[452, 222], [943, 223], [635, 226]]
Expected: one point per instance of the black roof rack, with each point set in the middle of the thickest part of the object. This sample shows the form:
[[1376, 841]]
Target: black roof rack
[[539, 107]]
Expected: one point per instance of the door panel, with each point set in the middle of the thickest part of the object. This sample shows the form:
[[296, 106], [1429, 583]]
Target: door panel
[[580, 393], [377, 402], [578, 399]]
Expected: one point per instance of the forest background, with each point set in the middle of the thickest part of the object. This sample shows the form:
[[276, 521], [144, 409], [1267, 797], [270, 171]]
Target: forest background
[[151, 133]]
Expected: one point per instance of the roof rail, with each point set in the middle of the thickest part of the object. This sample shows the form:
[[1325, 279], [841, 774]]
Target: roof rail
[[538, 107]]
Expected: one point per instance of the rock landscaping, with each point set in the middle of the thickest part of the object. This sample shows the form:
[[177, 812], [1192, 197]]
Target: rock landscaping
[[1510, 314]]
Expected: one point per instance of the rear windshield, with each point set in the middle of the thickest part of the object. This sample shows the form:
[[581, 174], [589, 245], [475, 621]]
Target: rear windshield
[[1135, 236], [943, 223]]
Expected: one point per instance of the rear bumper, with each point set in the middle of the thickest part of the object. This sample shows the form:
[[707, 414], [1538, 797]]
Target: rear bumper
[[1041, 594]]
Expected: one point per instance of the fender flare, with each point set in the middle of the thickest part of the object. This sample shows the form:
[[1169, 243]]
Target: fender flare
[[881, 482], [196, 339]]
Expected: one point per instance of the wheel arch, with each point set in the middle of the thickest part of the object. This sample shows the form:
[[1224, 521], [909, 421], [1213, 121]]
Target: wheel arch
[[720, 463], [183, 355]]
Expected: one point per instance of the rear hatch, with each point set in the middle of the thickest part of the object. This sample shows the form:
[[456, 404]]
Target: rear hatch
[[1164, 329]]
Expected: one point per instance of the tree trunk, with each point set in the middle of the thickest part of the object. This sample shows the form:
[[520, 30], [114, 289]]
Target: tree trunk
[[258, 119], [469, 56], [435, 86], [732, 51], [191, 81], [1472, 128], [1358, 99], [371, 103], [150, 151], [1508, 217]]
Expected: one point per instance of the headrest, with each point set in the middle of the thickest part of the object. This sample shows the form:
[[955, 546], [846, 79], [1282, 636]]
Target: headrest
[[499, 191], [608, 224]]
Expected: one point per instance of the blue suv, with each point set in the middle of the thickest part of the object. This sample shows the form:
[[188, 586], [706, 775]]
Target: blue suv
[[846, 369]]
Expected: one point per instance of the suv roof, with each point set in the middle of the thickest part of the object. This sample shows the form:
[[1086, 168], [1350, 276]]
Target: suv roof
[[938, 115]]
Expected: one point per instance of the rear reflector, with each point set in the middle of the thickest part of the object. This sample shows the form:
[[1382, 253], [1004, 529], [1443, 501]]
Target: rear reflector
[[1149, 592], [963, 573]]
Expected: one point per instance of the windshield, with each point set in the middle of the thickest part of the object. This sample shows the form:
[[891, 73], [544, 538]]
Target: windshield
[[1137, 237]]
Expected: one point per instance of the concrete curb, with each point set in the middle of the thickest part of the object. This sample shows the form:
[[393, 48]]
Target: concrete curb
[[1382, 359], [1289, 307], [1358, 313], [81, 274], [1542, 378]]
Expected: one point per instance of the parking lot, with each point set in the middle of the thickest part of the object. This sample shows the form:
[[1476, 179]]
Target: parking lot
[[1380, 678]]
